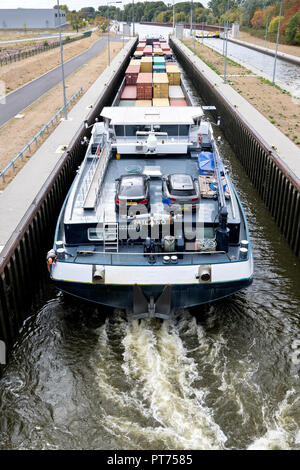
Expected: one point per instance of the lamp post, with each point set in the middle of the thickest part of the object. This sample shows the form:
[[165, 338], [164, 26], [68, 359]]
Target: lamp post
[[108, 38], [191, 32], [173, 18], [277, 40], [226, 42], [62, 62], [133, 18]]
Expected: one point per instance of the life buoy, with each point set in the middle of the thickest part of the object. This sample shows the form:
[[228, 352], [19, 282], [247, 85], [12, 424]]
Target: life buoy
[[200, 139]]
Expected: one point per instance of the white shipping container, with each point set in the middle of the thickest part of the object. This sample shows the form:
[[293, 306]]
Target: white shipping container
[[175, 92]]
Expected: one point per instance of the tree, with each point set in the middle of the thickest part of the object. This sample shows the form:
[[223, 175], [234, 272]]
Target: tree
[[273, 26], [290, 8], [293, 29], [258, 19]]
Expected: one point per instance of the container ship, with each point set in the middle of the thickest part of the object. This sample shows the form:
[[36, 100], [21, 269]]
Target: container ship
[[152, 221]]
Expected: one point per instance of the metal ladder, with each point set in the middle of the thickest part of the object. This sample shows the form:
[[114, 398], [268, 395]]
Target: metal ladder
[[111, 236]]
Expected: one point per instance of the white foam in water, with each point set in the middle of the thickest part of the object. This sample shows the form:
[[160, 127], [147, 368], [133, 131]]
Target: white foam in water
[[283, 430], [151, 375], [157, 364]]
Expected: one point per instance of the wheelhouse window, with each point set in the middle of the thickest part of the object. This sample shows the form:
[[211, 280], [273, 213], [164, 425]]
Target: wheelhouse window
[[184, 130], [169, 129], [120, 131]]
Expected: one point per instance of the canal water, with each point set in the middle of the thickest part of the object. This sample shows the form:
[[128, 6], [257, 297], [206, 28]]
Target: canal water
[[219, 376], [286, 72]]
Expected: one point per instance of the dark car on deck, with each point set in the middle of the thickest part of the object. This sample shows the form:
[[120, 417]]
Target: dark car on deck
[[132, 190]]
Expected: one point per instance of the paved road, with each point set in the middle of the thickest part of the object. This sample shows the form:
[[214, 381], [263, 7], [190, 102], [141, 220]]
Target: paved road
[[26, 95]]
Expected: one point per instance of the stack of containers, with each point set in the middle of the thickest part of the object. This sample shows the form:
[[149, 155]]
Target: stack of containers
[[160, 85], [165, 47], [143, 103], [159, 61], [129, 93], [177, 102], [176, 96], [127, 103], [140, 46], [160, 102], [146, 65], [148, 50], [159, 69], [173, 74], [131, 74], [144, 86], [157, 50], [135, 62]]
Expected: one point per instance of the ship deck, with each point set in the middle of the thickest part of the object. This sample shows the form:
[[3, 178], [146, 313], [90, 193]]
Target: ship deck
[[133, 254]]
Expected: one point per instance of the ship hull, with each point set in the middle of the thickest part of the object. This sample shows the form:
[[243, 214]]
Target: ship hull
[[183, 296]]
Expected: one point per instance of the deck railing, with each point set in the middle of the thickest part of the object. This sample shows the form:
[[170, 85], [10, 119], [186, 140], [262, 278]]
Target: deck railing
[[35, 140]]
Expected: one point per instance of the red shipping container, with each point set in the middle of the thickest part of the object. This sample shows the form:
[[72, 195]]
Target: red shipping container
[[129, 93], [144, 86], [131, 74], [177, 102]]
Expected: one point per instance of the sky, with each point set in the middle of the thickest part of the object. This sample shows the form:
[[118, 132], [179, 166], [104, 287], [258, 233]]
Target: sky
[[72, 4]]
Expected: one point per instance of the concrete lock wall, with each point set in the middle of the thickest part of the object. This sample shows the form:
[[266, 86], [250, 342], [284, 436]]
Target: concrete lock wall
[[276, 184], [24, 279]]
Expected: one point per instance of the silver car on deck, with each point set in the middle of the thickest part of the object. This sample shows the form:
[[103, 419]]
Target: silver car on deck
[[181, 189]]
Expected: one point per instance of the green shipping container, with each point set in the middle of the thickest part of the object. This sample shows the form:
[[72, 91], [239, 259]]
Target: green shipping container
[[127, 103]]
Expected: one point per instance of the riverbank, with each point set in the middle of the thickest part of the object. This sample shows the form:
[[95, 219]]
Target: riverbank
[[17, 132], [277, 105], [285, 48]]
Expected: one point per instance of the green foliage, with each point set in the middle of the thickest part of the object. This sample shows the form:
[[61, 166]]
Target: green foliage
[[273, 26], [293, 29], [153, 11]]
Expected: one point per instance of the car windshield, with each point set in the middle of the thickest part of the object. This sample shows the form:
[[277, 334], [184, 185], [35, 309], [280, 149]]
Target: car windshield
[[181, 185], [132, 187]]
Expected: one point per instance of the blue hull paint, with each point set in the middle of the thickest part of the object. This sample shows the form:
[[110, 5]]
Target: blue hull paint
[[183, 296]]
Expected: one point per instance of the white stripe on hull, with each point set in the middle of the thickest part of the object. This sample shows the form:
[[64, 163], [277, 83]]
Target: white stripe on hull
[[162, 275]]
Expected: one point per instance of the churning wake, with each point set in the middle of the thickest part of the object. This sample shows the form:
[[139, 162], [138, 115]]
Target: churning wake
[[171, 385]]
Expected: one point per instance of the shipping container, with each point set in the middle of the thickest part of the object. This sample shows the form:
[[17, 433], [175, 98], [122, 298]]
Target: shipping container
[[160, 85], [146, 65], [160, 102], [129, 93], [143, 103], [131, 74], [177, 102], [159, 61], [135, 62], [147, 50], [175, 92], [173, 74], [138, 54], [159, 69], [128, 103], [144, 86]]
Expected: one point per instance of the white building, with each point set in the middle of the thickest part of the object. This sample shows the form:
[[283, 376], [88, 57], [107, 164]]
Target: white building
[[31, 18]]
